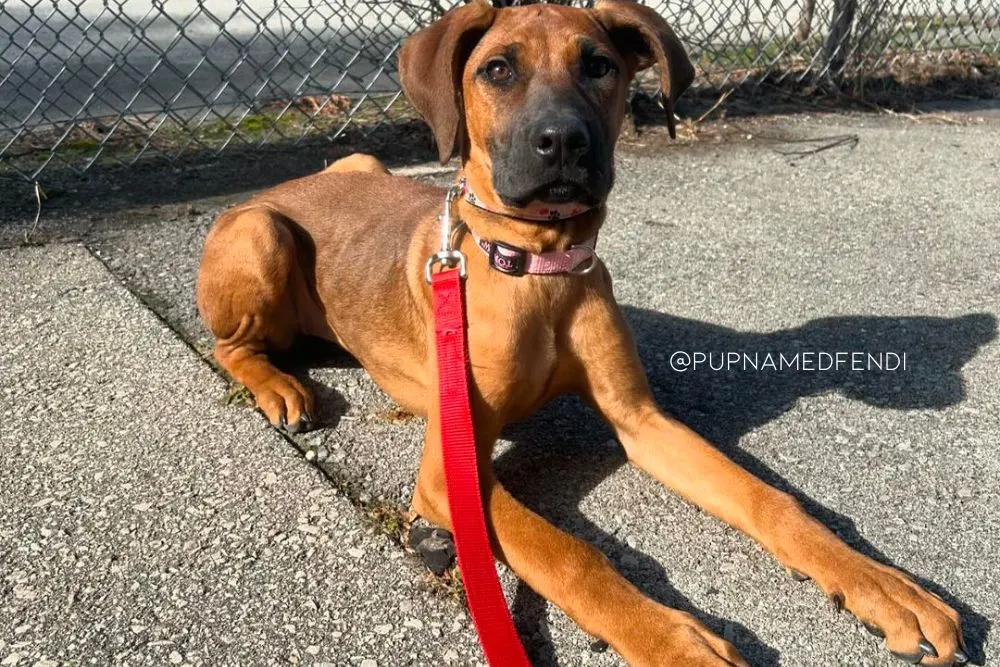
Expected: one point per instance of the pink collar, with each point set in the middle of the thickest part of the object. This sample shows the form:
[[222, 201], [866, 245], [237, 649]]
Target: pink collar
[[580, 259], [536, 212]]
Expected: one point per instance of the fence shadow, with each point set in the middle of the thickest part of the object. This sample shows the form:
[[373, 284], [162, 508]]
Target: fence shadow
[[239, 170], [555, 462], [967, 84]]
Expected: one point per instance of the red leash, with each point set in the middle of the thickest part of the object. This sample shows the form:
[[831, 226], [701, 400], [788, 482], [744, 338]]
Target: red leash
[[487, 605]]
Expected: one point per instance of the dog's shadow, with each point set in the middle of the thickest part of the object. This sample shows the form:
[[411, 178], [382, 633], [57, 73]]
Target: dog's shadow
[[556, 460]]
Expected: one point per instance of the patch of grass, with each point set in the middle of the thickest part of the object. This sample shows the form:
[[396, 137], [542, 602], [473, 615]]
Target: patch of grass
[[258, 123], [109, 140], [395, 415], [394, 522], [451, 580], [85, 144], [238, 395], [923, 23], [747, 57], [205, 351], [448, 584], [390, 520]]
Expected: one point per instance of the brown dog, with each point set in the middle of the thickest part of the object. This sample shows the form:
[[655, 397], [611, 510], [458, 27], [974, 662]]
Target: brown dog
[[532, 100]]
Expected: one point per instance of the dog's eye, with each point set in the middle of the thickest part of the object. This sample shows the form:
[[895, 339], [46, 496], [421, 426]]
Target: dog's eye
[[597, 67], [498, 71]]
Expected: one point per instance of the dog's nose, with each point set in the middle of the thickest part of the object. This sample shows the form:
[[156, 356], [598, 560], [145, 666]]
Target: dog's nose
[[563, 140]]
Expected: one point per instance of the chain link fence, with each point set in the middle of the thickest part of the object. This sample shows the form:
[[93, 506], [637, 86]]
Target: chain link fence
[[110, 82]]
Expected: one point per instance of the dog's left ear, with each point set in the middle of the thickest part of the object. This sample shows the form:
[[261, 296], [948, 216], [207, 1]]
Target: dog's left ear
[[430, 69], [646, 39]]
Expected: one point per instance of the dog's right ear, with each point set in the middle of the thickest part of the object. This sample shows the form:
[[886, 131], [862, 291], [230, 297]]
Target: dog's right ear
[[430, 69]]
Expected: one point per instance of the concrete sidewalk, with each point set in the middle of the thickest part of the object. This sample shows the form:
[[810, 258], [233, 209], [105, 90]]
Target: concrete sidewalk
[[143, 522], [890, 247]]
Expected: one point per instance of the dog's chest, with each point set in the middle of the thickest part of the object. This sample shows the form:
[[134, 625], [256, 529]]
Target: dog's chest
[[515, 348]]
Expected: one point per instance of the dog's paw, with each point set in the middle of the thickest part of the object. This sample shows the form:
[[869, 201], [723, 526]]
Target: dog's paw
[[918, 626], [682, 640], [285, 402]]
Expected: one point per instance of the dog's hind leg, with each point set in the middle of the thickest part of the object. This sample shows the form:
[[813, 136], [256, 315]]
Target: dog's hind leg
[[358, 162], [247, 289]]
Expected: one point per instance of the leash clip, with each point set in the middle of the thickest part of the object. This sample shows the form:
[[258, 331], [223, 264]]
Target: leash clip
[[448, 256]]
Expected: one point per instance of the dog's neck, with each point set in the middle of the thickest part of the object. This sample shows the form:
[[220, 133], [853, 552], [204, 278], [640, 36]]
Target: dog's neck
[[523, 229], [532, 212]]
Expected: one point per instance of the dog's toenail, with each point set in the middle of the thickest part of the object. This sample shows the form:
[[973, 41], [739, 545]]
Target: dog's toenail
[[796, 575], [599, 646], [837, 600], [960, 657], [912, 658], [927, 648], [875, 630]]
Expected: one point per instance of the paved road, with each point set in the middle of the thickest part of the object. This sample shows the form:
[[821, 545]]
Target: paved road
[[91, 60], [891, 247]]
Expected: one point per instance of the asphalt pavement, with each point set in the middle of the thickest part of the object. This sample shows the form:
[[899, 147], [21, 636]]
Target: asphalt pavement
[[145, 522], [844, 234]]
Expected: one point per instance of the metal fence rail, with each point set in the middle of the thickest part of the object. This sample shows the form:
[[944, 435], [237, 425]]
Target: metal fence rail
[[85, 82]]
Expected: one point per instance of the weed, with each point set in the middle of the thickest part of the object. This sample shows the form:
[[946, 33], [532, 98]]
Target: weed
[[395, 415], [238, 395], [390, 520]]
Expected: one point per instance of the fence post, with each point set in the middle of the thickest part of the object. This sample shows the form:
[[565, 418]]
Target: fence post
[[837, 45]]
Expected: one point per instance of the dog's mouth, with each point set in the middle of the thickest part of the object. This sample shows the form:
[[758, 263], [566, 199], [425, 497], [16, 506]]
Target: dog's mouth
[[560, 192], [555, 192]]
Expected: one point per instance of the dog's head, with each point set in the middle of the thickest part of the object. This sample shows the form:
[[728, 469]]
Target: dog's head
[[533, 97]]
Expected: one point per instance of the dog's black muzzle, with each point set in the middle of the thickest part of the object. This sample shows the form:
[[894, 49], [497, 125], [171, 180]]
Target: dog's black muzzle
[[553, 154]]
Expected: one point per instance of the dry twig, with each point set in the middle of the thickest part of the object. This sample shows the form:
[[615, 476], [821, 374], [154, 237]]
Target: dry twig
[[722, 98], [39, 196], [832, 142]]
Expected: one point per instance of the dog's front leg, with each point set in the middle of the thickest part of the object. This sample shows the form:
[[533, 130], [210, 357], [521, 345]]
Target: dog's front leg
[[570, 572], [916, 624]]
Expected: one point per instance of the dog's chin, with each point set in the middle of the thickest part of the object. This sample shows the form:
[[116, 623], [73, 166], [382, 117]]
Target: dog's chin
[[558, 192]]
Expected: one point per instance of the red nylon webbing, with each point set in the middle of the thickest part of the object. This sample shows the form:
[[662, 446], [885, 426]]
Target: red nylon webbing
[[487, 605]]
